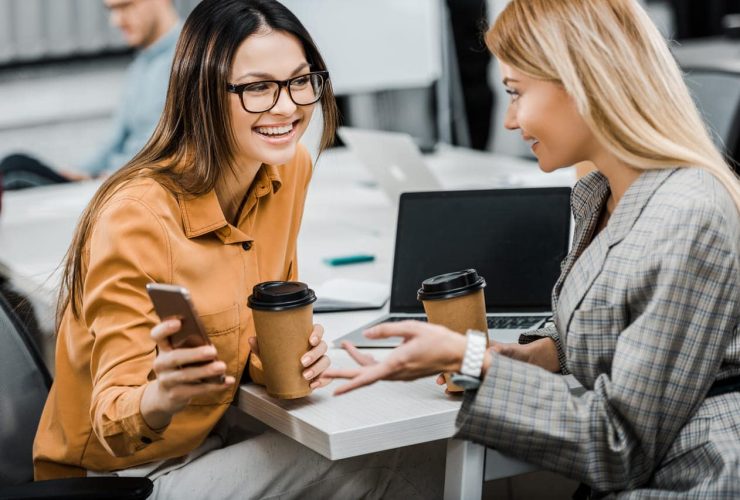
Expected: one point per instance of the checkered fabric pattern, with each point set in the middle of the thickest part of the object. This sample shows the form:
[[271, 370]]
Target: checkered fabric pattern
[[646, 319]]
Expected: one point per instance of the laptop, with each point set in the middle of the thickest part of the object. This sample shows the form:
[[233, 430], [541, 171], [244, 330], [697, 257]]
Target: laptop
[[515, 238], [392, 158]]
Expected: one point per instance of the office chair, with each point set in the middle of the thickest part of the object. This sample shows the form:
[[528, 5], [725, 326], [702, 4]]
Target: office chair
[[24, 386], [716, 92]]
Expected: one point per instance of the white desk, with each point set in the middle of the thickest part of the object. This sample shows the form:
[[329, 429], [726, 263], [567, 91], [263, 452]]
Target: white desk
[[383, 416], [343, 214], [36, 227]]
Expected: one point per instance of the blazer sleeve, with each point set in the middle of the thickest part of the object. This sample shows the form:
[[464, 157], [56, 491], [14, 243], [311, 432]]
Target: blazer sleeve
[[614, 436], [128, 249], [548, 330]]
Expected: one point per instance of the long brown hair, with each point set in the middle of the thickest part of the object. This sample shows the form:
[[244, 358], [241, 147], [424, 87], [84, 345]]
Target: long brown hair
[[193, 141]]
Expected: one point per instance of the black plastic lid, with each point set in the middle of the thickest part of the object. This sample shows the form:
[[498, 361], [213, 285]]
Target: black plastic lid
[[449, 285], [280, 295]]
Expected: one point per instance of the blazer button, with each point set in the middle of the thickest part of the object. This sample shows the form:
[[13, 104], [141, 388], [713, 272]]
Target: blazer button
[[146, 440], [247, 245]]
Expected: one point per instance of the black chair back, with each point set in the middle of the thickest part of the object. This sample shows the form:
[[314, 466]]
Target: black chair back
[[24, 386]]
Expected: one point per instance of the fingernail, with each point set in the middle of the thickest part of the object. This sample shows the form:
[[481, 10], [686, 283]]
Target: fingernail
[[308, 375], [305, 360], [314, 385], [314, 340]]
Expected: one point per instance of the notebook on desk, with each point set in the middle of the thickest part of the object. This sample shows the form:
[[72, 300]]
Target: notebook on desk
[[514, 238]]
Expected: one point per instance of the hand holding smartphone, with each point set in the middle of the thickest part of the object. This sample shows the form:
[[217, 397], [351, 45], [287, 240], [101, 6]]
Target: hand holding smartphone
[[172, 301]]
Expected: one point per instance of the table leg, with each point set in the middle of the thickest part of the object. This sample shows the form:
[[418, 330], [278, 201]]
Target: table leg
[[464, 470]]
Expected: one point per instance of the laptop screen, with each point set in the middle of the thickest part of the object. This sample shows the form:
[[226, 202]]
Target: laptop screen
[[514, 238]]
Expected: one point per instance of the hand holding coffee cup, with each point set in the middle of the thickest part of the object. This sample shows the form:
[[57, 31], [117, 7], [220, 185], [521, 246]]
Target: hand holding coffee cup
[[290, 346], [455, 300]]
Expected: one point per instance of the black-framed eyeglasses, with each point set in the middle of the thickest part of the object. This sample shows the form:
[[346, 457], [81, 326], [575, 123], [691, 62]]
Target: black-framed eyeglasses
[[260, 97]]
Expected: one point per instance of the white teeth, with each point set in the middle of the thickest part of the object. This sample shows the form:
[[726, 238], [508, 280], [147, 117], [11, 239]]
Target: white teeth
[[275, 130]]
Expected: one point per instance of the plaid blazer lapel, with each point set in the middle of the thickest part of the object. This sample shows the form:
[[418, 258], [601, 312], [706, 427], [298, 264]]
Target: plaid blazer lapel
[[587, 257], [587, 198]]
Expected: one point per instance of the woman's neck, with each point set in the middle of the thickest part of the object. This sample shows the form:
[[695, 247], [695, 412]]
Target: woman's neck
[[232, 188], [619, 174]]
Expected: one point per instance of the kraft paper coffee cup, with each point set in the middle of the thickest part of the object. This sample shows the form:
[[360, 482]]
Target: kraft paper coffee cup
[[456, 301], [283, 320]]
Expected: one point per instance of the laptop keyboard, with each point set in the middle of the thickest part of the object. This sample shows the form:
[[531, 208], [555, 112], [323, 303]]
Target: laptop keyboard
[[494, 322], [512, 322]]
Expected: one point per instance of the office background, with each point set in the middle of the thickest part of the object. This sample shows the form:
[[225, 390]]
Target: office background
[[61, 68]]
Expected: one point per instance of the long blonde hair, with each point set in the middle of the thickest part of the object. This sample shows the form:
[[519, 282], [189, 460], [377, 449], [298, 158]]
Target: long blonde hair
[[615, 64]]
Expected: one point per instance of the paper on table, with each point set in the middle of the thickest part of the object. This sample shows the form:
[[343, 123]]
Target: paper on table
[[350, 295]]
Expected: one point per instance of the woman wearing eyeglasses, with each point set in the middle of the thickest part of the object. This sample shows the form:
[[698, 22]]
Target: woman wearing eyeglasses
[[212, 203], [647, 308]]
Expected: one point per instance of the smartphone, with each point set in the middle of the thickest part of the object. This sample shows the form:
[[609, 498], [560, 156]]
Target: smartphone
[[172, 301]]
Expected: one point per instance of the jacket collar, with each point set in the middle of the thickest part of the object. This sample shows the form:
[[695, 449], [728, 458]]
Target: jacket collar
[[586, 259], [202, 214], [633, 202], [591, 192]]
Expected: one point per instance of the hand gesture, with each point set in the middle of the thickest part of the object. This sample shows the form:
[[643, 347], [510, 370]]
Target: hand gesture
[[426, 350]]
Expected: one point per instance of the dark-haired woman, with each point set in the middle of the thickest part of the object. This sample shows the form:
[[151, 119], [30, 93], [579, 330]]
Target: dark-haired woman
[[212, 203]]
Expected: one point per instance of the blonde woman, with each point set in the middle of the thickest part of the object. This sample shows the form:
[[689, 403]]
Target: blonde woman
[[648, 303]]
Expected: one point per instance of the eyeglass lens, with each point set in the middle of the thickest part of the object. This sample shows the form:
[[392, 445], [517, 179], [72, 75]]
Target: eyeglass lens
[[303, 90]]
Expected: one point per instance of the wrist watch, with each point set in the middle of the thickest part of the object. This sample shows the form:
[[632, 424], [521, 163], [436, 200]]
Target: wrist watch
[[472, 365]]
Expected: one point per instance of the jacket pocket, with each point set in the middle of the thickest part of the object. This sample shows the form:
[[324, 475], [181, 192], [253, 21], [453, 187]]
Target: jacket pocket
[[222, 329], [592, 337]]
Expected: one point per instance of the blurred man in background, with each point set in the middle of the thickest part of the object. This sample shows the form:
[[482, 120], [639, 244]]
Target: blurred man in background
[[152, 27]]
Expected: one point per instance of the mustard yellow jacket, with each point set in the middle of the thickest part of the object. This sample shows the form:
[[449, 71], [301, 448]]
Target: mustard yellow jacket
[[104, 359]]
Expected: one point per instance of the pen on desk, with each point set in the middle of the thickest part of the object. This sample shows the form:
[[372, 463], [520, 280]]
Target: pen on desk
[[349, 259]]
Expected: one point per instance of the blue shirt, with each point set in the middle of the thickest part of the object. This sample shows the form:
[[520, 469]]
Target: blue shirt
[[144, 92]]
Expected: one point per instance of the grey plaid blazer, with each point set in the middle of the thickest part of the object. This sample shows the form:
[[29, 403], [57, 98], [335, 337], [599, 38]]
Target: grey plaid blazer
[[646, 318]]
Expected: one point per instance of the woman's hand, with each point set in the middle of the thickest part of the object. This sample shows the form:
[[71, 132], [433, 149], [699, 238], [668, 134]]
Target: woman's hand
[[363, 359], [426, 350], [315, 361], [542, 352], [181, 375]]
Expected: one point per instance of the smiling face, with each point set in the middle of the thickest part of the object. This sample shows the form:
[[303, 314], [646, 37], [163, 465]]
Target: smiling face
[[270, 137], [548, 120]]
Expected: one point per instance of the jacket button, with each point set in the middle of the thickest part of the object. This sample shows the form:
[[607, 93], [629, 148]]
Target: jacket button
[[247, 245], [146, 440]]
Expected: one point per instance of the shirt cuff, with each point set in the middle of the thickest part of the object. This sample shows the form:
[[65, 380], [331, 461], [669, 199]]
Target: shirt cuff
[[136, 427]]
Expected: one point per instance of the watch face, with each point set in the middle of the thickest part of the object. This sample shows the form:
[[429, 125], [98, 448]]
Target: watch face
[[465, 381]]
